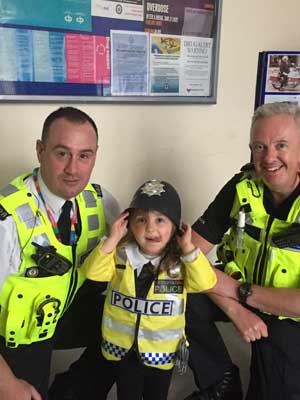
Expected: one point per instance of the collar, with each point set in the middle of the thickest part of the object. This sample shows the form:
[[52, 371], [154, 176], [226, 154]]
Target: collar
[[138, 259], [53, 201]]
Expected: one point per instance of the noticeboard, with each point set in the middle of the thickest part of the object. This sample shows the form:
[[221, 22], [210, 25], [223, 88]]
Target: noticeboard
[[109, 51], [278, 77]]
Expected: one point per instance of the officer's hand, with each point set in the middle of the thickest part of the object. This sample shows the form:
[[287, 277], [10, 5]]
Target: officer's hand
[[184, 239], [250, 326], [18, 389]]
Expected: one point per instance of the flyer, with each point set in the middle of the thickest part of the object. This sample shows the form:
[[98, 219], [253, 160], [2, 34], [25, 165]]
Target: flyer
[[180, 65], [129, 63]]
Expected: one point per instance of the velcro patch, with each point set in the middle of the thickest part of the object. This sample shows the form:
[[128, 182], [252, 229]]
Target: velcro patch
[[3, 213], [98, 189], [120, 266], [168, 286]]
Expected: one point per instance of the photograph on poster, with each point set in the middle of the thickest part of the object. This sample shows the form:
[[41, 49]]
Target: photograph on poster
[[108, 50]]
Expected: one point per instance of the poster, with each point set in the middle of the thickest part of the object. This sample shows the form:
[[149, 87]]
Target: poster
[[180, 65], [129, 63], [278, 77], [121, 9], [64, 14], [186, 17]]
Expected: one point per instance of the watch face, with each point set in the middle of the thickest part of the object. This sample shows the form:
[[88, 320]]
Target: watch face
[[245, 290]]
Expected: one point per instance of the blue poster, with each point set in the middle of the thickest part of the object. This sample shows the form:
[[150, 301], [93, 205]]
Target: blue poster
[[61, 14]]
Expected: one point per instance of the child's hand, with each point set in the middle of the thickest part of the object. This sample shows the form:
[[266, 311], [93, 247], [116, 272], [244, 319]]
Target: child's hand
[[117, 231], [184, 240], [119, 227]]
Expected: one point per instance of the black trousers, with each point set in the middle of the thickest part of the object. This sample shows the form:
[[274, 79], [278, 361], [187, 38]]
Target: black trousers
[[139, 382], [275, 360], [208, 358], [30, 362], [91, 376]]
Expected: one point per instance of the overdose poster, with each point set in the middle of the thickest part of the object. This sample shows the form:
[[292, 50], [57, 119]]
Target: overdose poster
[[186, 17]]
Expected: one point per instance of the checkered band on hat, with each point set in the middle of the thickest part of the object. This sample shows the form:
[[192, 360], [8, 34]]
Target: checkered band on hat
[[113, 349], [157, 358]]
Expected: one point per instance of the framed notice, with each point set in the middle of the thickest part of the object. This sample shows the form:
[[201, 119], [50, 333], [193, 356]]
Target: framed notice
[[278, 77], [109, 51]]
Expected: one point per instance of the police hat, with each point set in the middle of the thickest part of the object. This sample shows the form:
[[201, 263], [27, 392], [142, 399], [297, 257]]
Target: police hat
[[159, 196]]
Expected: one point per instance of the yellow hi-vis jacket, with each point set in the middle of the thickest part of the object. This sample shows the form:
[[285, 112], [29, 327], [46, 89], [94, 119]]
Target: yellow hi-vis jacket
[[249, 254], [31, 307], [154, 326]]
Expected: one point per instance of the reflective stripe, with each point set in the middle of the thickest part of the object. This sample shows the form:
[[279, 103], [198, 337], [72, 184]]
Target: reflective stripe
[[161, 335], [7, 190], [158, 336], [93, 222], [25, 214], [147, 307], [42, 239], [92, 243], [89, 199], [118, 326]]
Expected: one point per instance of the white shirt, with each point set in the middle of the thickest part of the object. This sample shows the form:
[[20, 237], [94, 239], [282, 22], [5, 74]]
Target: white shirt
[[10, 251], [137, 259]]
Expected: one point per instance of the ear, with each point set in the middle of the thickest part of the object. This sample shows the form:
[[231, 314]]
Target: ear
[[40, 147]]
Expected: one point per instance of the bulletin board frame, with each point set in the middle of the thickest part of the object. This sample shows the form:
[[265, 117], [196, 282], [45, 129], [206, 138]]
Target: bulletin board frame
[[165, 52]]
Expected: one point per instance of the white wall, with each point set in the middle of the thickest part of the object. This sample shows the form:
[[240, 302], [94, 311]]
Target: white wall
[[196, 147]]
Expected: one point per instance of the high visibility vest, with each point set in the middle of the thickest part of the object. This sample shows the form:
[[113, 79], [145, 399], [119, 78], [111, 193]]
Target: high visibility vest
[[30, 307], [154, 325], [249, 253]]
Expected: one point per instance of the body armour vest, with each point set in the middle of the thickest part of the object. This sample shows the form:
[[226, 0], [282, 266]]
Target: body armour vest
[[30, 307], [251, 252]]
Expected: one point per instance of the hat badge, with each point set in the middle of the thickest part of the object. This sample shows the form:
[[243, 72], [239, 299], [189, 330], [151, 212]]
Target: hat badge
[[153, 188]]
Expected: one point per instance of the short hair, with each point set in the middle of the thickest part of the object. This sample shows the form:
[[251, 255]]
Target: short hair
[[71, 114], [277, 108]]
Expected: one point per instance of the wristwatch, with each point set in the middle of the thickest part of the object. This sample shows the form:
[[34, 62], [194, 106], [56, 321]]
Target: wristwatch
[[244, 291]]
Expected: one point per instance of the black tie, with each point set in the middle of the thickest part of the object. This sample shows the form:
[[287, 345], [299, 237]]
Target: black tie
[[64, 222], [144, 280]]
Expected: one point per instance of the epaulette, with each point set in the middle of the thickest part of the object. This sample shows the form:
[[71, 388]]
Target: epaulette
[[3, 213], [247, 167], [98, 189]]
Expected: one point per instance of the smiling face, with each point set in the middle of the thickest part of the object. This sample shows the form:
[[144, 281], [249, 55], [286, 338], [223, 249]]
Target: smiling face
[[151, 230], [275, 148], [67, 157]]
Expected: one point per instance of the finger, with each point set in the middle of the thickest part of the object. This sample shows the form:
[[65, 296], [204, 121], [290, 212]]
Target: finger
[[264, 331], [34, 394]]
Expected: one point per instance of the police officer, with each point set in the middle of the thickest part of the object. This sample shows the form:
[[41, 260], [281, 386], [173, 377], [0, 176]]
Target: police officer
[[49, 221], [260, 207]]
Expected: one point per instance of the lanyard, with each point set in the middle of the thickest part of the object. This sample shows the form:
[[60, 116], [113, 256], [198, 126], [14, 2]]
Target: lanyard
[[73, 238]]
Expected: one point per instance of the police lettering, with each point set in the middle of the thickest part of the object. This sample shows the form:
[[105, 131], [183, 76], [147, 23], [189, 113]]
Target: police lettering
[[168, 286], [140, 306]]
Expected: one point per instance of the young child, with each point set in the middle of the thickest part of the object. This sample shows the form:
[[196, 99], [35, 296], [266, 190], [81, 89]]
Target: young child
[[150, 271]]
